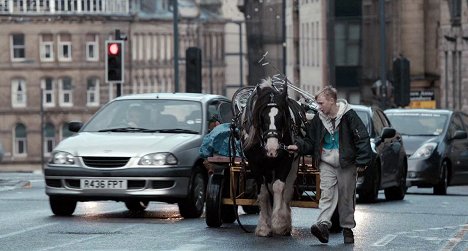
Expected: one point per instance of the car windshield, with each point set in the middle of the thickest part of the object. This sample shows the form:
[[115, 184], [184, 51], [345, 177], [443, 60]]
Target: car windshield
[[418, 124], [136, 115]]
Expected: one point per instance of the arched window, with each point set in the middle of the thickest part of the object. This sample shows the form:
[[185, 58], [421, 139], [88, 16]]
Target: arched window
[[49, 138], [20, 147]]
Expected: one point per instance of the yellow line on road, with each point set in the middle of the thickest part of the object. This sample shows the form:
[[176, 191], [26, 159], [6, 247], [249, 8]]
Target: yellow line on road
[[453, 242]]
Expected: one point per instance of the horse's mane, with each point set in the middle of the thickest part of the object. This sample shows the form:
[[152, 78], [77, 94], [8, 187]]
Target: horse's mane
[[264, 94]]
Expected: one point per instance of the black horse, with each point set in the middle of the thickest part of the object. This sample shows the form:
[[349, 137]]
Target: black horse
[[270, 122]]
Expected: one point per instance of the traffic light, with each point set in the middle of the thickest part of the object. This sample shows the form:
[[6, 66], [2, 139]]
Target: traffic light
[[193, 70], [114, 61], [401, 81]]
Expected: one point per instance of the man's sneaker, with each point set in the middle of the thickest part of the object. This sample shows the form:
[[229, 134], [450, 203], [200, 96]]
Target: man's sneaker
[[320, 231], [348, 236]]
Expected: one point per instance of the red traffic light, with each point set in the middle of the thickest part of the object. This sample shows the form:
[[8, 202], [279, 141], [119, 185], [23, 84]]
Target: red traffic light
[[113, 49]]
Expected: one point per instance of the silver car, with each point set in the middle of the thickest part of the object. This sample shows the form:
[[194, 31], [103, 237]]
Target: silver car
[[136, 149]]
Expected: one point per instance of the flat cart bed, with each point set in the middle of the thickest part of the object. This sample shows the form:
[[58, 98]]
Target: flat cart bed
[[237, 174]]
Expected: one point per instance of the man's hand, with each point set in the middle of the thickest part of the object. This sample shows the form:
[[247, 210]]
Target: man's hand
[[292, 148], [361, 169]]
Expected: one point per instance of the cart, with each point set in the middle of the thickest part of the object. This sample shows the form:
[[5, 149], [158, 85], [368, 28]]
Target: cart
[[231, 184]]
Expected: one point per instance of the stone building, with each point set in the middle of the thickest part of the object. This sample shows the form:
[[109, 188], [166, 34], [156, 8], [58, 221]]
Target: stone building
[[453, 40], [52, 59]]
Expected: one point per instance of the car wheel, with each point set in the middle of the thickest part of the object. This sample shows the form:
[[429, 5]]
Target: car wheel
[[62, 206], [370, 192], [192, 206], [441, 187], [136, 205], [397, 192]]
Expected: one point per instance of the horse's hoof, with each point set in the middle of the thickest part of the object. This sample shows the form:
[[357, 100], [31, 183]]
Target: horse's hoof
[[282, 232], [263, 232]]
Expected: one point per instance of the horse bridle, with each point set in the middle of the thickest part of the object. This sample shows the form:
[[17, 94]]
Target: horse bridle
[[271, 133]]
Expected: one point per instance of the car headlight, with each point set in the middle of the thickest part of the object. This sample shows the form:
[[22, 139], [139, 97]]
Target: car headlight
[[158, 159], [424, 151], [62, 158]]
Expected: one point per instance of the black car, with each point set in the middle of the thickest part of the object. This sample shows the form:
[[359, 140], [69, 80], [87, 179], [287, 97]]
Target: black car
[[389, 161], [436, 144]]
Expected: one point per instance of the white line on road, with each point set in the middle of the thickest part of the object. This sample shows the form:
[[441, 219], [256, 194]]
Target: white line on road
[[384, 241], [84, 239], [26, 230]]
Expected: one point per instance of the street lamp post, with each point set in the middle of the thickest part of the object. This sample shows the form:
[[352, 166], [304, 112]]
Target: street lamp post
[[42, 127]]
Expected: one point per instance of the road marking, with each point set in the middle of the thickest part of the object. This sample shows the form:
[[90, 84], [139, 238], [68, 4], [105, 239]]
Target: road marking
[[384, 241], [453, 242], [26, 230]]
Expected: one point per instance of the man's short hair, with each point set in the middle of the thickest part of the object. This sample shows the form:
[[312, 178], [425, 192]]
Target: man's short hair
[[327, 91]]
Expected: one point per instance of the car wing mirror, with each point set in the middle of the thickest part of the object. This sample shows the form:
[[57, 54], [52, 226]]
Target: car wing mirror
[[75, 126], [459, 134], [387, 132]]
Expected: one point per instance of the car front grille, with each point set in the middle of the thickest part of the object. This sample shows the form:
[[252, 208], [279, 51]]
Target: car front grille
[[105, 162]]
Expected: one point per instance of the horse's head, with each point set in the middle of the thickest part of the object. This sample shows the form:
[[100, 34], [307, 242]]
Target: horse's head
[[270, 119]]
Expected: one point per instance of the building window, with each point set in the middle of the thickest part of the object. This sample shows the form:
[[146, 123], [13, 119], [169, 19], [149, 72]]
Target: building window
[[48, 93], [92, 92], [65, 48], [92, 48], [65, 132], [20, 147], [66, 94], [455, 12], [47, 48], [49, 139], [17, 47], [18, 93], [347, 43]]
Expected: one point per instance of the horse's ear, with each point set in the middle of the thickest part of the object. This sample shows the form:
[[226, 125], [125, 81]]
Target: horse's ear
[[257, 89]]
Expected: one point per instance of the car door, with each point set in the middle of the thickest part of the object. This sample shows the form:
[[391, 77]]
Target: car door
[[386, 150], [458, 152]]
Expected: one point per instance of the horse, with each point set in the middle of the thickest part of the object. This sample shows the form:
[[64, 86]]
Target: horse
[[269, 123]]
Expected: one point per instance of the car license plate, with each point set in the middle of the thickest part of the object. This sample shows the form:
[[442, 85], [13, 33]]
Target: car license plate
[[103, 184]]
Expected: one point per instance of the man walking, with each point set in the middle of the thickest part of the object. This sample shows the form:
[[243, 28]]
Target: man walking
[[339, 144]]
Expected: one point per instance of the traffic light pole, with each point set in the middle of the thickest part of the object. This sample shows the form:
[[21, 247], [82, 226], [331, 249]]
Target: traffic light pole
[[175, 11]]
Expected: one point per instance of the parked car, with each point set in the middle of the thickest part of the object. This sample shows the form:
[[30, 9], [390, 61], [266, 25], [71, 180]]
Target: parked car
[[436, 144], [136, 149], [389, 162]]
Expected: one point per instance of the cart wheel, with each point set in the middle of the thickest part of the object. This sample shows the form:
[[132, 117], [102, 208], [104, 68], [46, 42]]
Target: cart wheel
[[214, 200]]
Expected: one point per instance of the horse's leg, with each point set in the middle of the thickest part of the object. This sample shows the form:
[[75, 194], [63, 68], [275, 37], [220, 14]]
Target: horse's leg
[[281, 218], [264, 219]]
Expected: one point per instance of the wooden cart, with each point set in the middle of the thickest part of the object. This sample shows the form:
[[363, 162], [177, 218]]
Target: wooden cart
[[231, 185]]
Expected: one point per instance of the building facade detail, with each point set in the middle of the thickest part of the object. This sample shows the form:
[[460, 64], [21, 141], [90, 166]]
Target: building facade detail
[[53, 60]]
